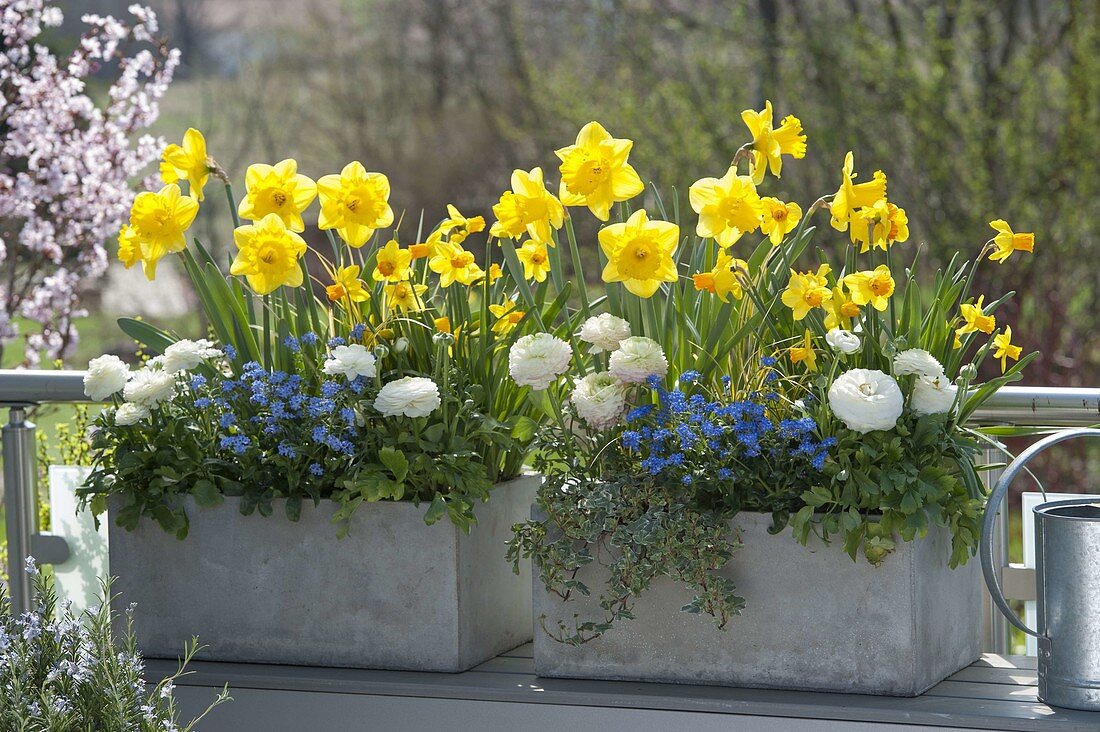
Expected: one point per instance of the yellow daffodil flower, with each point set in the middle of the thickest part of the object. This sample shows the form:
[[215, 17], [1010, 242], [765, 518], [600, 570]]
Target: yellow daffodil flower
[[878, 225], [457, 227], [975, 318], [840, 310], [804, 353], [1008, 241], [495, 272], [1004, 350], [129, 246], [851, 196], [528, 208], [807, 290], [507, 315], [392, 263], [595, 173], [536, 261], [355, 203], [872, 287], [268, 254], [346, 284], [419, 251], [168, 173], [725, 279], [728, 207], [187, 162], [779, 218], [405, 296], [768, 145], [158, 221], [279, 189], [639, 253], [454, 264], [443, 324]]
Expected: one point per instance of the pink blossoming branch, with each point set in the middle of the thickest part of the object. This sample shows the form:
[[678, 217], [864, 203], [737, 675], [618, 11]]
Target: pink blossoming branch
[[67, 163]]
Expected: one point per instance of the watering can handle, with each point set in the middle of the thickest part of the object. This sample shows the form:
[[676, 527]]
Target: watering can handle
[[994, 504]]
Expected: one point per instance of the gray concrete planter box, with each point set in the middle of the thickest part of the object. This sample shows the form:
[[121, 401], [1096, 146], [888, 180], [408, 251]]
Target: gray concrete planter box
[[393, 594], [814, 620]]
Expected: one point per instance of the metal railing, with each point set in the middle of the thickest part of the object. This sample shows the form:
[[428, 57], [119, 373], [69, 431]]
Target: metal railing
[[1035, 406], [19, 392]]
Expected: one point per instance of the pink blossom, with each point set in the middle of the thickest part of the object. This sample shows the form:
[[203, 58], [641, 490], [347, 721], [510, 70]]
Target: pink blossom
[[66, 163]]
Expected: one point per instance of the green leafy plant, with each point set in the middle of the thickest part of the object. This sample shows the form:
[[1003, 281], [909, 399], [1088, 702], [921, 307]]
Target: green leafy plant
[[661, 501]]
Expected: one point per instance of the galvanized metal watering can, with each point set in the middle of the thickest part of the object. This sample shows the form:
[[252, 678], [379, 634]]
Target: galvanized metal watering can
[[1067, 561]]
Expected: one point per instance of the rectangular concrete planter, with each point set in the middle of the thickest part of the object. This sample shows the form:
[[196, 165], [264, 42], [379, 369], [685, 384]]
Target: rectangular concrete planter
[[393, 594], [814, 620]]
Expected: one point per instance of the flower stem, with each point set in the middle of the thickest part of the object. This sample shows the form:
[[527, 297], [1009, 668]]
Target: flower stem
[[232, 204]]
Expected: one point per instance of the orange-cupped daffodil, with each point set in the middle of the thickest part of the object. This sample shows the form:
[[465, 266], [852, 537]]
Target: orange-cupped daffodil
[[975, 318], [806, 291], [347, 285], [872, 287], [392, 263], [725, 279], [535, 259], [778, 218], [878, 226], [1008, 241], [804, 353], [454, 264]]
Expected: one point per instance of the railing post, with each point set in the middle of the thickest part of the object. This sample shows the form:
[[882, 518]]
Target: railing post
[[19, 498]]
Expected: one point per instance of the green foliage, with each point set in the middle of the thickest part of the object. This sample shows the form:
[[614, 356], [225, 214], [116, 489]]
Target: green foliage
[[211, 440], [888, 485], [61, 672], [637, 529], [656, 499]]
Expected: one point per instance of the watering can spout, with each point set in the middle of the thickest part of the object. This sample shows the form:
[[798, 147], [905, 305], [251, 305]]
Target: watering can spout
[[1067, 560]]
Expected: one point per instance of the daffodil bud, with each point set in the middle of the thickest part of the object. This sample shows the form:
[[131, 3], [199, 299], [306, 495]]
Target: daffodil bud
[[401, 345], [443, 338]]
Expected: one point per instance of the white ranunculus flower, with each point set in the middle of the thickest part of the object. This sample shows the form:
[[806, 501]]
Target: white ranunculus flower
[[130, 413], [106, 376], [916, 361], [411, 396], [149, 387], [185, 355], [844, 341], [866, 400], [600, 400], [932, 394], [637, 359], [351, 361], [605, 332], [536, 360]]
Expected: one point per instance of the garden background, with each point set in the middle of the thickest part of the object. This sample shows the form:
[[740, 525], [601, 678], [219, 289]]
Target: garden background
[[977, 110]]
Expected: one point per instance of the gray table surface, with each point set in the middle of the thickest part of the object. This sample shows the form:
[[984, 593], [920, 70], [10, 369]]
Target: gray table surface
[[996, 693]]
